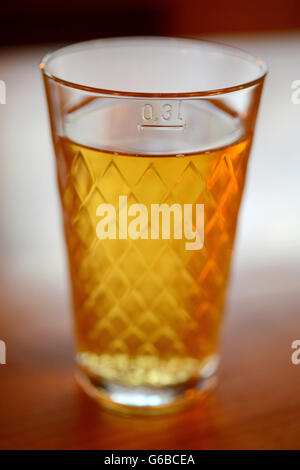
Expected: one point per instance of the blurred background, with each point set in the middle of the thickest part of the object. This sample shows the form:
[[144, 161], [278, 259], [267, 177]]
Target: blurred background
[[33, 21], [269, 234], [33, 281]]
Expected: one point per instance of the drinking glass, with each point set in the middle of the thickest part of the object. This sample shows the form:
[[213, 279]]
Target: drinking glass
[[152, 138]]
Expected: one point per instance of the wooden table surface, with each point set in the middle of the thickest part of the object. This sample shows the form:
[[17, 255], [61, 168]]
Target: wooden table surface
[[256, 404]]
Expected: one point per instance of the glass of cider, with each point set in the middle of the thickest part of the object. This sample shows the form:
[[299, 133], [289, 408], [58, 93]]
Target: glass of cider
[[152, 138]]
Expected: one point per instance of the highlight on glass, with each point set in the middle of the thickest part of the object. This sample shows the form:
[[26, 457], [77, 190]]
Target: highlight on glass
[[152, 138]]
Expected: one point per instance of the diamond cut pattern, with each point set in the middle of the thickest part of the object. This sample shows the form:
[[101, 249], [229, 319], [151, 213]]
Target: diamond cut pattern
[[150, 296]]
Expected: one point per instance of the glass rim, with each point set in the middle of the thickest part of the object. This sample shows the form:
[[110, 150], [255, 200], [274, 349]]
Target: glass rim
[[226, 49]]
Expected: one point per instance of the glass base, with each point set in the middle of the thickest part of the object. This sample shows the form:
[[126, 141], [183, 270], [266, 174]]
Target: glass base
[[148, 400]]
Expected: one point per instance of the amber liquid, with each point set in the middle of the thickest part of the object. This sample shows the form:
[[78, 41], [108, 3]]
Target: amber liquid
[[148, 312]]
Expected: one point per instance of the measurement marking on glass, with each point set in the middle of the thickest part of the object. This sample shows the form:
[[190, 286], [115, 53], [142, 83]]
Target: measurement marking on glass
[[162, 114], [142, 126]]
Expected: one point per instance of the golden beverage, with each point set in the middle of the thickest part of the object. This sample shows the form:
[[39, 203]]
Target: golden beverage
[[148, 312]]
